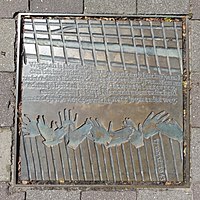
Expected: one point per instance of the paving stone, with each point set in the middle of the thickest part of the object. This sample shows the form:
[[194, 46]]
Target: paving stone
[[196, 191], [156, 194], [163, 7], [100, 195], [52, 195], [7, 39], [5, 154], [110, 7], [9, 7], [6, 196], [65, 6], [195, 5], [195, 152], [195, 46], [6, 99], [195, 99]]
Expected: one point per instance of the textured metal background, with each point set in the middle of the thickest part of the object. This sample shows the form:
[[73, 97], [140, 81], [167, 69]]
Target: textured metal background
[[115, 46]]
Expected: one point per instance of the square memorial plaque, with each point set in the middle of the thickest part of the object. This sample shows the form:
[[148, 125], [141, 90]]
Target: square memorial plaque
[[100, 100]]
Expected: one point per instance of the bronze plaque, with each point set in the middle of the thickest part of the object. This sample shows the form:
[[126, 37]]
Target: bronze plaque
[[101, 101]]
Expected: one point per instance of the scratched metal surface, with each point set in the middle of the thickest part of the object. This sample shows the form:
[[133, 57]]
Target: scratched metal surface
[[101, 101]]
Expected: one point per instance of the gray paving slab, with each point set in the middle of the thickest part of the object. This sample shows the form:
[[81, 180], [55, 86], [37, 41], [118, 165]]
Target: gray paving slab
[[196, 191], [7, 40], [195, 46], [195, 7], [52, 195], [172, 194], [110, 7], [5, 195], [163, 7], [10, 7], [64, 6], [101, 195], [195, 152], [5, 154], [195, 99], [6, 99]]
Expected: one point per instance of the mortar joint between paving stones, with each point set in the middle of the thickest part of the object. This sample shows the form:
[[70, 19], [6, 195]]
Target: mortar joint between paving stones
[[83, 6], [29, 5], [136, 3], [12, 157]]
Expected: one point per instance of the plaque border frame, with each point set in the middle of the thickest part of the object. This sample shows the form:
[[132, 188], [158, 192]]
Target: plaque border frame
[[186, 109]]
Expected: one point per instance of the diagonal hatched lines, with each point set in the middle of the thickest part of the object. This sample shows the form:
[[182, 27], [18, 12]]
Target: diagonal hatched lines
[[108, 45]]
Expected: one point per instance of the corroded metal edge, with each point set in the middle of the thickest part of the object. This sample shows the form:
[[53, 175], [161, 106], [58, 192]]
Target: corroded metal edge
[[186, 95], [186, 106], [98, 15], [18, 46]]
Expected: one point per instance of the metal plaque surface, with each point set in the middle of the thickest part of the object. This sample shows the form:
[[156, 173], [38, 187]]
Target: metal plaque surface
[[101, 100]]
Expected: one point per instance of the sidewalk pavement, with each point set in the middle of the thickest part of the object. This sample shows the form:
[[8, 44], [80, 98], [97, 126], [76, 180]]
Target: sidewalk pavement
[[8, 11]]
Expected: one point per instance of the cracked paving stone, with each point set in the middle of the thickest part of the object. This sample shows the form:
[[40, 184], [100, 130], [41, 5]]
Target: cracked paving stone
[[65, 6], [6, 99], [196, 191], [195, 6], [7, 39], [101, 195], [52, 195], [9, 7], [163, 7], [155, 194], [195, 99], [5, 154], [112, 6], [195, 152], [6, 196], [195, 46]]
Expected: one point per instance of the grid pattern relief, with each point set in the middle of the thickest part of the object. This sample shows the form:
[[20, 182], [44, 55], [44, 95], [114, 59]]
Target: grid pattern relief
[[108, 44]]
